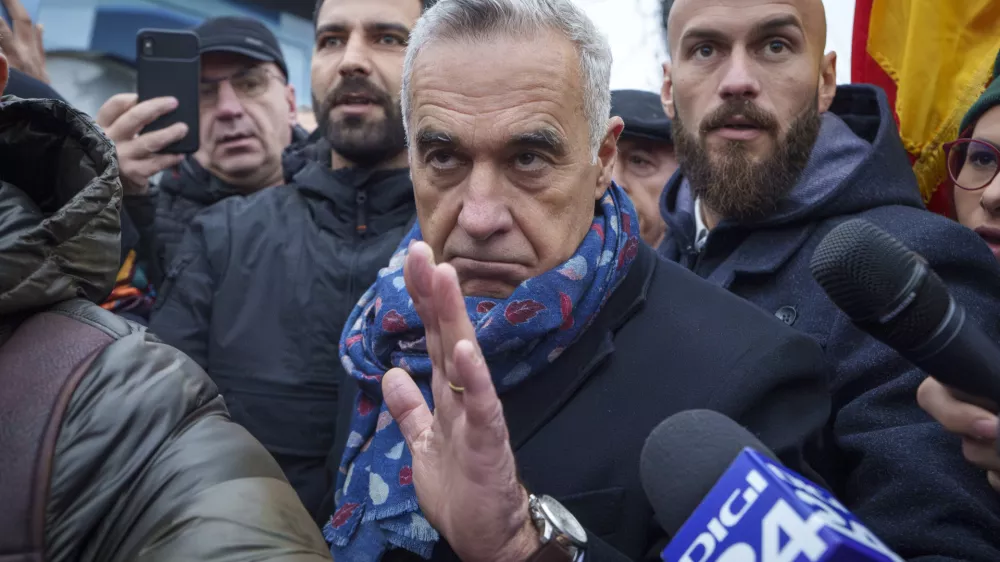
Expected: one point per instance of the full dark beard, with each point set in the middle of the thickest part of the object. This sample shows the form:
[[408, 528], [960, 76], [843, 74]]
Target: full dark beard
[[734, 186], [364, 141]]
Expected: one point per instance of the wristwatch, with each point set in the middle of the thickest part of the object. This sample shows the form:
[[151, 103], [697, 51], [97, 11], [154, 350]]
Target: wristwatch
[[563, 538]]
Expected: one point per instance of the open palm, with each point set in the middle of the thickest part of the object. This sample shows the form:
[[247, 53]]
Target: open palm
[[464, 470]]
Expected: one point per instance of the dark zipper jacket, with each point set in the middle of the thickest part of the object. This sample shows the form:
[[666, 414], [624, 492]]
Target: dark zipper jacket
[[901, 473], [259, 293]]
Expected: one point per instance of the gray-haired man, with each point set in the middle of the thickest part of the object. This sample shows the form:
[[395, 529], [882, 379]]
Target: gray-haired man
[[551, 339]]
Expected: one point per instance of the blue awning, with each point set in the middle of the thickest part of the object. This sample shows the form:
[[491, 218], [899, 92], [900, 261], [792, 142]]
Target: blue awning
[[115, 27]]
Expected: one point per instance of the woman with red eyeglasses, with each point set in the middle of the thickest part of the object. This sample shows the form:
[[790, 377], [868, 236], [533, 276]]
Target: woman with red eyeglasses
[[973, 161]]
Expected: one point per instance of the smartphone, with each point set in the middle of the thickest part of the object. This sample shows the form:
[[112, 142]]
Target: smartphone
[[169, 64]]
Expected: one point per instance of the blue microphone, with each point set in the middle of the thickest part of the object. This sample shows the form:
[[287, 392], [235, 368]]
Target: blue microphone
[[724, 497]]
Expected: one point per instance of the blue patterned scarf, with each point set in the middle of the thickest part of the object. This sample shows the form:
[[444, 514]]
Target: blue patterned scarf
[[520, 336]]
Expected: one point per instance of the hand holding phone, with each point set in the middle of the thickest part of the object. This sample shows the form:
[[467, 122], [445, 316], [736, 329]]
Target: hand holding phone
[[169, 65], [140, 157]]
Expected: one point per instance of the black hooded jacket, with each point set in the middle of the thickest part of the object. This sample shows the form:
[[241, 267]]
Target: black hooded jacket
[[260, 291], [905, 476]]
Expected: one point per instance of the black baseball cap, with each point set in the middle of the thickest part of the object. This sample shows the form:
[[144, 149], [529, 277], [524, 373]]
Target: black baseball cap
[[244, 36], [643, 115]]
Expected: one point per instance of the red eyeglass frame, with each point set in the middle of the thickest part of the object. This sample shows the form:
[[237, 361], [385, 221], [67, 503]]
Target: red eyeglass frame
[[949, 146]]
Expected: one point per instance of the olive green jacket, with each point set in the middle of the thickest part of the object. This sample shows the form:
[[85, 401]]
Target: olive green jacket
[[148, 466]]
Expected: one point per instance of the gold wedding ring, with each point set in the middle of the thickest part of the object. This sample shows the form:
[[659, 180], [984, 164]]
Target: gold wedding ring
[[458, 389]]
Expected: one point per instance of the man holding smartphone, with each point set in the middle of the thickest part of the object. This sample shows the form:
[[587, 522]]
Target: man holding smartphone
[[247, 118], [262, 286]]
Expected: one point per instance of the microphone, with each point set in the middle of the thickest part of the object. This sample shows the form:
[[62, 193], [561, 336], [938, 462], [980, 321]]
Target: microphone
[[890, 292], [724, 497]]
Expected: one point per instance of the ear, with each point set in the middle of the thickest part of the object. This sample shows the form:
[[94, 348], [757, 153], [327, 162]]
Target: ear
[[827, 81], [667, 91], [293, 114], [607, 154]]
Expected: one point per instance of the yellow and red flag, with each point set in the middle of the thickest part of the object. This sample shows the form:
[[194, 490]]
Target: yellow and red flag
[[933, 58]]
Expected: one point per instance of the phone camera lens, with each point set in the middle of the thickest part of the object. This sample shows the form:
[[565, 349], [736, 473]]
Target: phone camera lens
[[147, 47]]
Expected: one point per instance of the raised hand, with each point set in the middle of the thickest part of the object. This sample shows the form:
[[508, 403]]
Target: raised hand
[[23, 45], [122, 117], [464, 470]]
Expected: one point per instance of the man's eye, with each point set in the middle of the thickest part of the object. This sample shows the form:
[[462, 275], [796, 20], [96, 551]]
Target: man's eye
[[704, 51], [529, 162], [249, 83], [777, 47], [391, 40], [326, 42], [639, 161], [442, 160]]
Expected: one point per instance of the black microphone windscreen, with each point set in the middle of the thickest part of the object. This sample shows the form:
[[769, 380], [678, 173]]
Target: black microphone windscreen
[[685, 456], [877, 281]]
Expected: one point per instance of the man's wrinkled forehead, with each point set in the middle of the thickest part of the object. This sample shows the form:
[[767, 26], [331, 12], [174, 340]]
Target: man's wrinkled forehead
[[531, 98], [347, 14], [735, 18]]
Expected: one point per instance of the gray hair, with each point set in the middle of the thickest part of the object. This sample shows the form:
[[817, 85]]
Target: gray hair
[[481, 19]]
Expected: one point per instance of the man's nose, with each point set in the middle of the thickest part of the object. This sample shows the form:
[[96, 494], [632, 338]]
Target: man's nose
[[357, 57], [739, 81], [484, 212], [229, 104]]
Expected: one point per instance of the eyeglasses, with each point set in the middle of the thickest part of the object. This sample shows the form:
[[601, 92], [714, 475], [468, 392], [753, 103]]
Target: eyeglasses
[[248, 83], [972, 164]]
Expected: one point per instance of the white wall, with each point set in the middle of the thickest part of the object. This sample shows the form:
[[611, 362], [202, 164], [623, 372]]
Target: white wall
[[634, 29], [839, 33]]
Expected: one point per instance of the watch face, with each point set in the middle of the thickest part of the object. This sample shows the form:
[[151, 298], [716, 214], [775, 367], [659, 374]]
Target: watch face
[[563, 520]]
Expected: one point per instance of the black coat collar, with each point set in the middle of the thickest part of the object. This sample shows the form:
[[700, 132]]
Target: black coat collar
[[528, 407]]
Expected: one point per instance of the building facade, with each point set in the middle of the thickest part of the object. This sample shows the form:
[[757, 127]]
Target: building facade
[[90, 44]]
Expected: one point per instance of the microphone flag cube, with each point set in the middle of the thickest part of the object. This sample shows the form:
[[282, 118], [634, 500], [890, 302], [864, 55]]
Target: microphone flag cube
[[759, 511]]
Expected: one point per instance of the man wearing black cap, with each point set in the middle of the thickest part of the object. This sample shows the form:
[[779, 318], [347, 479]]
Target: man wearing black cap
[[247, 119], [646, 157]]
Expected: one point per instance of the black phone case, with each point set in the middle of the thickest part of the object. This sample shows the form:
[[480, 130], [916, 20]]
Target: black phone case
[[169, 64]]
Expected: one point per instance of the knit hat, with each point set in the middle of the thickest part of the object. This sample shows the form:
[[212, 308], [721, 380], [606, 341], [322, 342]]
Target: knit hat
[[986, 102]]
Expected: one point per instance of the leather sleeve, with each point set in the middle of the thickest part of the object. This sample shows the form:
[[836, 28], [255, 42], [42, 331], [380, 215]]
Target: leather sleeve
[[149, 467]]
